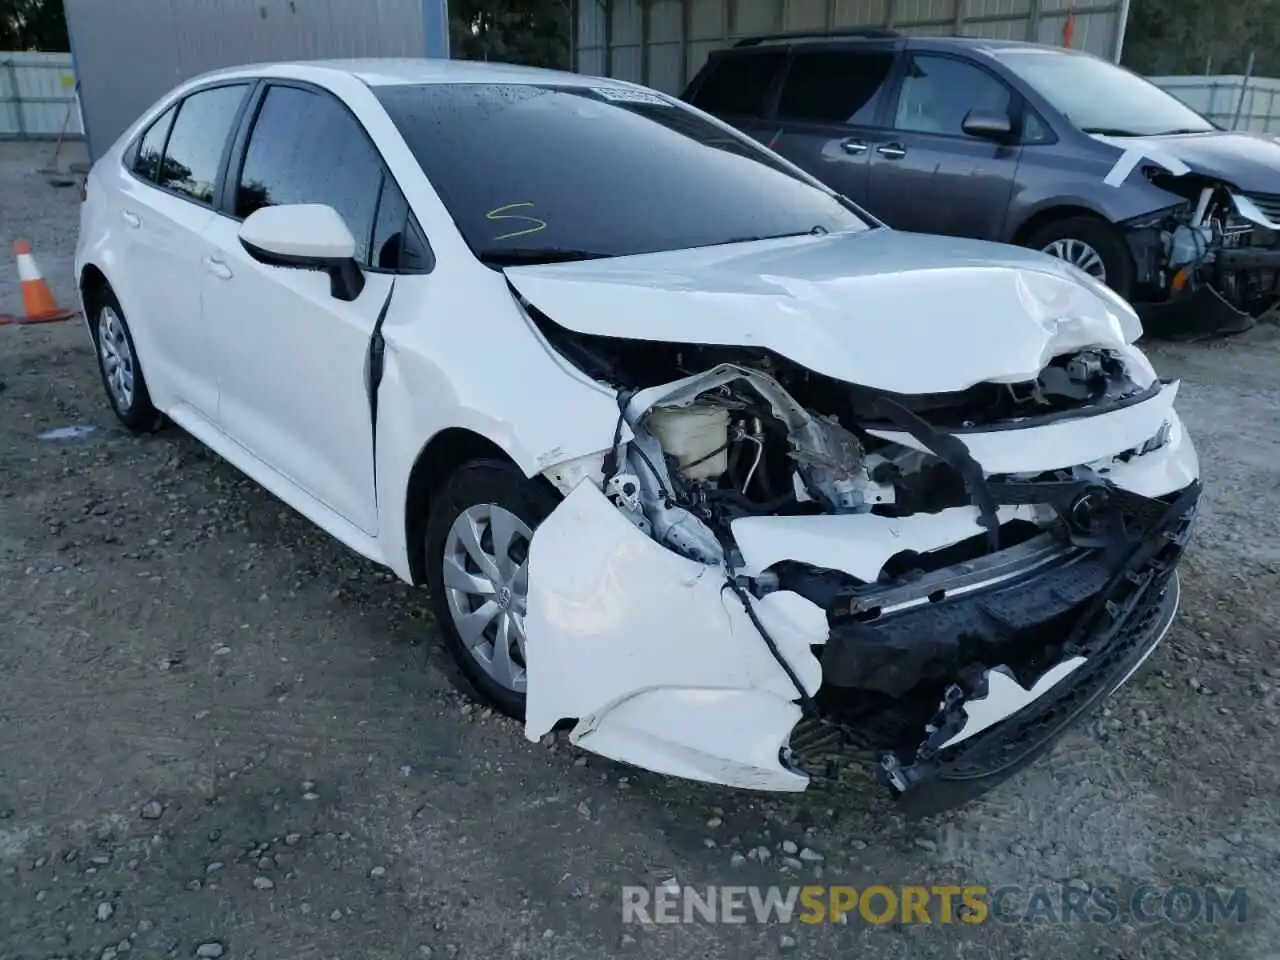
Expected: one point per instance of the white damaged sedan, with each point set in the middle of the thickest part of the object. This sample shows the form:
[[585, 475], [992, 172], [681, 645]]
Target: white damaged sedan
[[689, 451]]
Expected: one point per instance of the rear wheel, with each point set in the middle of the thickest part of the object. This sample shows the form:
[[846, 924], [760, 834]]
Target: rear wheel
[[1091, 244], [118, 364], [477, 550]]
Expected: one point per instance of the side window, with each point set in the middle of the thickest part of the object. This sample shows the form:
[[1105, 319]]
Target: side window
[[1034, 128], [200, 132], [415, 255], [146, 163], [739, 84], [398, 243], [306, 148], [939, 92], [388, 227], [835, 86]]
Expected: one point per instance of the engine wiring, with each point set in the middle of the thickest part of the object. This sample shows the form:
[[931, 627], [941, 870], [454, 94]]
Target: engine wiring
[[807, 706], [611, 468]]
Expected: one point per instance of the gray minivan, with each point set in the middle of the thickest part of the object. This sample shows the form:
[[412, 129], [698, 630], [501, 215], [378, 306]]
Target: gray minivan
[[1019, 143]]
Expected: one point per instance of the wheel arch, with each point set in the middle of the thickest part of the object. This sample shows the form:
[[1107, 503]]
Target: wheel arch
[[439, 457], [92, 281], [1051, 214]]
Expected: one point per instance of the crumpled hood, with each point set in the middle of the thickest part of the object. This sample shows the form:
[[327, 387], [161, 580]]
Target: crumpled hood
[[1248, 161], [901, 312]]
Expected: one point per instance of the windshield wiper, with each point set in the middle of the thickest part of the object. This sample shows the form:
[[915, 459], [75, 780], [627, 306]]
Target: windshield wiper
[[518, 256], [1113, 132], [816, 231]]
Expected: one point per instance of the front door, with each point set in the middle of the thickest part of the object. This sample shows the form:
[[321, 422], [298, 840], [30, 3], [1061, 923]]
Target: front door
[[291, 357], [926, 173]]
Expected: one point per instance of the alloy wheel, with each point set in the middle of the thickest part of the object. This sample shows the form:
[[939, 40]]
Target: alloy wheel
[[486, 583], [116, 358], [1080, 254]]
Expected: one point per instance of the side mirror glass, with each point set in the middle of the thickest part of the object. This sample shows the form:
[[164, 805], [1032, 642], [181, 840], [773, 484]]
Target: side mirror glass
[[307, 236]]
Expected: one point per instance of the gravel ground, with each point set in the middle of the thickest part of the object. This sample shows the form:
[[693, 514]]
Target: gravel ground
[[223, 734]]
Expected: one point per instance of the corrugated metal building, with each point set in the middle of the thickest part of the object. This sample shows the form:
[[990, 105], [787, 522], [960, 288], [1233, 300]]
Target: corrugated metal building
[[130, 52], [663, 43]]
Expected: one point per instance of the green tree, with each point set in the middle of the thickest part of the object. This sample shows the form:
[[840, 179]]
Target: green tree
[[33, 25], [531, 32], [1183, 36]]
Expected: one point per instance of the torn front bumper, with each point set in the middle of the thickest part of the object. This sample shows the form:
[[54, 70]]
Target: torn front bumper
[[1119, 626], [939, 778], [1202, 314], [657, 662], [1211, 309]]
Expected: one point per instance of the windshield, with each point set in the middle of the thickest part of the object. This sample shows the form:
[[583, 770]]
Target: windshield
[[540, 173], [1099, 97]]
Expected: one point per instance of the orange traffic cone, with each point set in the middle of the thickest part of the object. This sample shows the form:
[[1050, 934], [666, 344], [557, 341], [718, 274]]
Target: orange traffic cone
[[38, 304]]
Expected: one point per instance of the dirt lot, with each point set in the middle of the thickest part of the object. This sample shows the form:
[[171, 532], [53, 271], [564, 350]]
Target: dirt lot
[[219, 726]]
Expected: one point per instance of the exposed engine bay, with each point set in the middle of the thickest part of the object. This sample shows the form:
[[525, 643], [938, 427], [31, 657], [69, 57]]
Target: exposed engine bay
[[863, 531], [1209, 266]]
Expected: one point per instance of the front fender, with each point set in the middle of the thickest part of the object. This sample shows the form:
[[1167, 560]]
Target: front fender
[[501, 381]]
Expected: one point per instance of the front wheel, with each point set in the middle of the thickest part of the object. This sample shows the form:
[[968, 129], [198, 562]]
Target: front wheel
[[1091, 244], [477, 552]]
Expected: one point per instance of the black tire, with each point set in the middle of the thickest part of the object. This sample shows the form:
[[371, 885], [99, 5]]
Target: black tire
[[138, 414], [479, 483], [1102, 237]]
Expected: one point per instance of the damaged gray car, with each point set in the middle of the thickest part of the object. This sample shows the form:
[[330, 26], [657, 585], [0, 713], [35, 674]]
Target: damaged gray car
[[1037, 146]]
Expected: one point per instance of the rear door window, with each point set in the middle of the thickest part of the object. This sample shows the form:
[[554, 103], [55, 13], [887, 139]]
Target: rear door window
[[199, 137], [835, 86], [146, 163], [939, 92], [738, 85]]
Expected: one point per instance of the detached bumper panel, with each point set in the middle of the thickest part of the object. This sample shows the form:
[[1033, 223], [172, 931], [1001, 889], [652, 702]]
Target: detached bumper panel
[[974, 766], [1201, 315], [1133, 612]]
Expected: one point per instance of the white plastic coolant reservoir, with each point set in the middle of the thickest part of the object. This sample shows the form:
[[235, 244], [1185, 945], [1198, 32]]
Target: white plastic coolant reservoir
[[696, 437]]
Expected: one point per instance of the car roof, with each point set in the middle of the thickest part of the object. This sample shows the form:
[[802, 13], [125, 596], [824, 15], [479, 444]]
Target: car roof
[[391, 71], [992, 46]]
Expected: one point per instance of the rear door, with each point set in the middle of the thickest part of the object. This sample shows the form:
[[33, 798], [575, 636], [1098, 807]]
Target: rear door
[[165, 204], [735, 85], [926, 173], [831, 106]]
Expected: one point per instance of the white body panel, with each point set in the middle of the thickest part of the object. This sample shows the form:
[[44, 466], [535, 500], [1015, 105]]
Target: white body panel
[[620, 617], [159, 258]]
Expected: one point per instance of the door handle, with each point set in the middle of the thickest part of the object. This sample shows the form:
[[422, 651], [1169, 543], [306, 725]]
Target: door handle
[[215, 265], [853, 146], [132, 219], [892, 151]]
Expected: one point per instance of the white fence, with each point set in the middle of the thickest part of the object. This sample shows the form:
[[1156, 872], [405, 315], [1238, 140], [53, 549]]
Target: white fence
[[38, 96], [1220, 99]]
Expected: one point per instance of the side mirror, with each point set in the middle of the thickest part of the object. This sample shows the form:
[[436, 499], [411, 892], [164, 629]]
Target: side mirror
[[308, 236], [987, 124]]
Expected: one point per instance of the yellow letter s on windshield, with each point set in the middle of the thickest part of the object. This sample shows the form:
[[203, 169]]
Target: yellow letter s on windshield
[[502, 213]]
